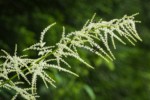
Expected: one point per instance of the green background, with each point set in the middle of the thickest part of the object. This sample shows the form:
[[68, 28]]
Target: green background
[[127, 78]]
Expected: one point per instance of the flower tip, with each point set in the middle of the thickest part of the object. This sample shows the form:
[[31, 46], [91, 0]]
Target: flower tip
[[92, 67], [77, 75]]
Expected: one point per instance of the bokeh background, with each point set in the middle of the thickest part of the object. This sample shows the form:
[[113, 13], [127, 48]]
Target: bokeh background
[[127, 78]]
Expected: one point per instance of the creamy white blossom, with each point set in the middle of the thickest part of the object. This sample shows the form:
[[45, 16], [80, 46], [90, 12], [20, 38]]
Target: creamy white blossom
[[94, 37]]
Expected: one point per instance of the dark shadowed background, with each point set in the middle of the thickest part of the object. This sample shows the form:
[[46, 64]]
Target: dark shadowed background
[[127, 78]]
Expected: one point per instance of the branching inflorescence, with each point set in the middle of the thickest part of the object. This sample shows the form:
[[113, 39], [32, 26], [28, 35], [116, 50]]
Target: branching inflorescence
[[52, 57]]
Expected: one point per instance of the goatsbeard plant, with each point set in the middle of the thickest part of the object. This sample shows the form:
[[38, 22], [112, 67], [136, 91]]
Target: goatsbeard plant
[[52, 57]]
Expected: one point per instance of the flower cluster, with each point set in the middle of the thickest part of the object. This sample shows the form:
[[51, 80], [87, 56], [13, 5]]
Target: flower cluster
[[94, 37]]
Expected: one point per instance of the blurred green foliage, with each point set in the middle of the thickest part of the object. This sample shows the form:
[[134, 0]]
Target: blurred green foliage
[[127, 78]]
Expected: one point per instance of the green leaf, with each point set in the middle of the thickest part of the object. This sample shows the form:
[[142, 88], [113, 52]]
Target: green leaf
[[89, 92]]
